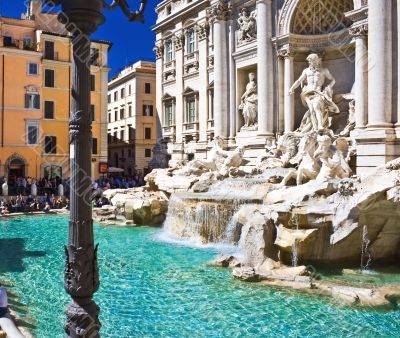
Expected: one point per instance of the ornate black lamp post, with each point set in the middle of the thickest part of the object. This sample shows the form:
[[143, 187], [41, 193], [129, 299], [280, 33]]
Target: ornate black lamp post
[[81, 18]]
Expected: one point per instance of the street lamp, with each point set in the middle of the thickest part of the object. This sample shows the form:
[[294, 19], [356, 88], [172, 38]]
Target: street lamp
[[81, 279]]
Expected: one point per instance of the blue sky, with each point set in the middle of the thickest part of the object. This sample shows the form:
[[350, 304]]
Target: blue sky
[[132, 41]]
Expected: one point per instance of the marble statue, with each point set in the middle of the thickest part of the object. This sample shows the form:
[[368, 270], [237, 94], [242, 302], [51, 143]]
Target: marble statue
[[247, 26], [232, 161], [351, 121], [333, 161], [213, 163], [309, 166], [314, 96], [248, 105]]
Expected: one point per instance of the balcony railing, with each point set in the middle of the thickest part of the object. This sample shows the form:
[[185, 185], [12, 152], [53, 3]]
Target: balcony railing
[[7, 42]]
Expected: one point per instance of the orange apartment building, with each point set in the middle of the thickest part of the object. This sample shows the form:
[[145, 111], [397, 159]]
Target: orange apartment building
[[35, 96]]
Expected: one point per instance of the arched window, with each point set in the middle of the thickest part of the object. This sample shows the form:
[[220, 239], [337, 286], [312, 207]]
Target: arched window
[[52, 171], [321, 17]]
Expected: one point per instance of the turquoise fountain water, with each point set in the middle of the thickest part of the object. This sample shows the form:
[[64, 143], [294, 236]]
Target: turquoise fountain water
[[152, 288]]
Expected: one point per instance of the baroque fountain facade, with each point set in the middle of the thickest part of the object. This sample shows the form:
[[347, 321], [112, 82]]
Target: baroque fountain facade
[[299, 161]]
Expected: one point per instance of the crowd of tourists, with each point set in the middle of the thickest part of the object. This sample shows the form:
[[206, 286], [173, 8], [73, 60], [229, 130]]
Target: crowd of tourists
[[21, 199], [23, 185], [29, 203], [119, 182]]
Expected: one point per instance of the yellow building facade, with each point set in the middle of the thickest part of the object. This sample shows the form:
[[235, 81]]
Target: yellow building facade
[[35, 96]]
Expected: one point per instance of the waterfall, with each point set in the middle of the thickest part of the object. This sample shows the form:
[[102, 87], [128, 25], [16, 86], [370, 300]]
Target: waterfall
[[365, 254], [294, 221], [210, 216], [295, 258]]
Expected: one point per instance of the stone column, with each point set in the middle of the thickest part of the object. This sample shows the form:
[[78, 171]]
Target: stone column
[[265, 68], [232, 84], [380, 64], [202, 30], [361, 74], [281, 94], [287, 83], [179, 41], [398, 67], [219, 13], [159, 51]]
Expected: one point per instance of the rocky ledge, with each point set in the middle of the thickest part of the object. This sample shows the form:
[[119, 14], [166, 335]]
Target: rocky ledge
[[133, 207]]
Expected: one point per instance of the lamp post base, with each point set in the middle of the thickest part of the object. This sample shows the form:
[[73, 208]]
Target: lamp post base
[[82, 319]]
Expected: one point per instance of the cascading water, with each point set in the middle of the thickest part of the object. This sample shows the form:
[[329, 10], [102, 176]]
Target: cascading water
[[210, 216], [365, 254], [294, 221]]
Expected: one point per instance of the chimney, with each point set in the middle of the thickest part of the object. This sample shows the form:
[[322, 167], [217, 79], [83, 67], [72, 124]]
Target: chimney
[[34, 7]]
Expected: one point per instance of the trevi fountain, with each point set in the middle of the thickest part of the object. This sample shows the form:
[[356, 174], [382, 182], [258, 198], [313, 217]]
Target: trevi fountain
[[299, 208]]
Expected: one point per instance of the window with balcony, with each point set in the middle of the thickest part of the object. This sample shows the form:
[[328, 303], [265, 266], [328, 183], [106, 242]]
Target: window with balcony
[[49, 110], [49, 53], [49, 78], [190, 42], [169, 51]]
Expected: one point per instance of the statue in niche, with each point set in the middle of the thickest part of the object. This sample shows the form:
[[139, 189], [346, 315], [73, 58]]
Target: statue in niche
[[248, 104], [247, 26], [315, 97]]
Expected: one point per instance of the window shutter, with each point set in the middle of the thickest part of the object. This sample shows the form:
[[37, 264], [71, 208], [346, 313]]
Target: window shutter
[[36, 101], [54, 144], [151, 110], [27, 96]]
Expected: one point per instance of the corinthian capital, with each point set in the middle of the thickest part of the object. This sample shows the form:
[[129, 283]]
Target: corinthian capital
[[359, 30], [159, 51], [179, 41], [219, 11], [202, 30]]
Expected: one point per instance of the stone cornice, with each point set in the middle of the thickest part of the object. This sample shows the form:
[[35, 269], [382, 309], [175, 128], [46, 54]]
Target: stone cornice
[[314, 42], [358, 14]]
